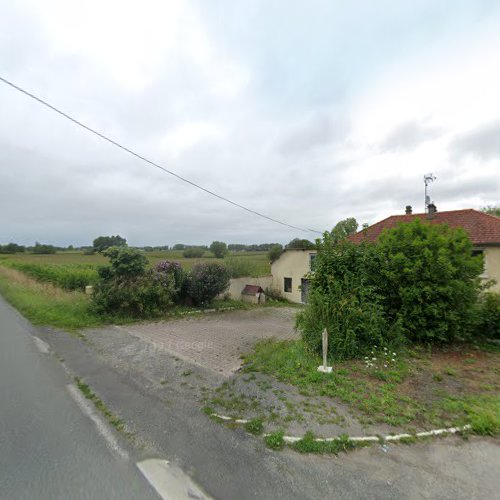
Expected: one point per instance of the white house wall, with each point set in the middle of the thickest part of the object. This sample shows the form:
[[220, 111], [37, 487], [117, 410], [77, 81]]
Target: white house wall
[[293, 264], [492, 266], [237, 284]]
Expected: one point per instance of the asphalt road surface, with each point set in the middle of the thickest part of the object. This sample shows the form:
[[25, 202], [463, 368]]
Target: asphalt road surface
[[49, 449]]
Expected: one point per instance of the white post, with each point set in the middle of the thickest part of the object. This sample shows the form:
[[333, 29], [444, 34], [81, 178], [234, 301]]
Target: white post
[[324, 368]]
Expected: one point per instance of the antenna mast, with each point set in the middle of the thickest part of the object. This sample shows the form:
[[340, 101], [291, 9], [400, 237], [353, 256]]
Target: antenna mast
[[428, 178]]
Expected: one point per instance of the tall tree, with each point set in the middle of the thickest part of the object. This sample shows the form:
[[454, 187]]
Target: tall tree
[[299, 244], [492, 210], [343, 229], [101, 243], [218, 248]]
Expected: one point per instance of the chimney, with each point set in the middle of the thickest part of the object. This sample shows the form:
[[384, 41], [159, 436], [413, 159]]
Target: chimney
[[408, 210], [431, 210]]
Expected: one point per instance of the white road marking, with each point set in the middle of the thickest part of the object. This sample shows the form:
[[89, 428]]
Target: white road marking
[[88, 408], [169, 481], [42, 346]]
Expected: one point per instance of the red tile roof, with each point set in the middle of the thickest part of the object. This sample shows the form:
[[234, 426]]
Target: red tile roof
[[483, 229]]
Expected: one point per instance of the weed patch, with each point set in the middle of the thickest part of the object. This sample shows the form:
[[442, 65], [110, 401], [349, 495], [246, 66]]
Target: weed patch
[[254, 426], [275, 440], [308, 444], [116, 422]]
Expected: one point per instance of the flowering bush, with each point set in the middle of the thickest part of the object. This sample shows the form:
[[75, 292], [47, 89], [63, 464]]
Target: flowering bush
[[206, 281], [172, 277]]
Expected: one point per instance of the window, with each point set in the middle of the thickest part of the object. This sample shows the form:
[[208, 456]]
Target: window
[[312, 261], [288, 285]]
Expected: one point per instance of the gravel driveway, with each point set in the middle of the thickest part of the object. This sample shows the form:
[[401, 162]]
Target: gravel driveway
[[217, 340]]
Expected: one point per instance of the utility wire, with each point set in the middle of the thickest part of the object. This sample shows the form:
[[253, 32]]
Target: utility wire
[[143, 158]]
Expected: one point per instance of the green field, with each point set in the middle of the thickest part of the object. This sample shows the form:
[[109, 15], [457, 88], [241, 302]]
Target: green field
[[48, 289], [239, 263]]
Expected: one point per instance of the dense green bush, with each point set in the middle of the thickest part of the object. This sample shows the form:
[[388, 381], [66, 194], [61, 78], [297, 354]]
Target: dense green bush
[[139, 296], [206, 281], [343, 300], [193, 253], [429, 280], [125, 262], [488, 316], [172, 277], [418, 283], [128, 287]]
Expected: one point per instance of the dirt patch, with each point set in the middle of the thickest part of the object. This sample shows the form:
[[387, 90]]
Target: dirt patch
[[454, 372]]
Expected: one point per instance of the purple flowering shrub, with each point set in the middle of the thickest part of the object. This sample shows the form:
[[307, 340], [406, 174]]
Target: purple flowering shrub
[[206, 281], [172, 277]]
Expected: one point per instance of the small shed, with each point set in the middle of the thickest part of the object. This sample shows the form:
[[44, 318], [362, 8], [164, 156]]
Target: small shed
[[253, 294]]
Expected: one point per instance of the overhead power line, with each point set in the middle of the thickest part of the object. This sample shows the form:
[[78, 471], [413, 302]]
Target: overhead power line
[[150, 162]]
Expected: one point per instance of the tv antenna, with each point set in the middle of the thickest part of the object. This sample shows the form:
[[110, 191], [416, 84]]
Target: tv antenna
[[428, 178]]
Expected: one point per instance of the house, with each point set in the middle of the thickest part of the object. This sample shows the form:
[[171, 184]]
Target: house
[[483, 231], [290, 273]]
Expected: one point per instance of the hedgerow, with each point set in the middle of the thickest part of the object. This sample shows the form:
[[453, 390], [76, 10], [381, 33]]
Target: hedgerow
[[418, 283]]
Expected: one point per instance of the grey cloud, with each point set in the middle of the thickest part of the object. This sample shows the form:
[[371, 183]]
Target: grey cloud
[[280, 151], [483, 142], [408, 136], [318, 130]]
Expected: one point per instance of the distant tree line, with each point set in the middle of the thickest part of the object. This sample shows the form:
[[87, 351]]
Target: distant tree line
[[12, 248], [38, 248]]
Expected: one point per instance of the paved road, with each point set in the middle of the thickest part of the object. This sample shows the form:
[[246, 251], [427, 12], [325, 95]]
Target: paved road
[[48, 448]]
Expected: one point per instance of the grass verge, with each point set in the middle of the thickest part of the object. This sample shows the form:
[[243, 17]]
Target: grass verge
[[308, 444], [45, 304], [408, 394], [113, 420]]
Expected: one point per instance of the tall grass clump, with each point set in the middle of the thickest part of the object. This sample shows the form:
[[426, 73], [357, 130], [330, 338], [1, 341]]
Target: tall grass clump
[[241, 266]]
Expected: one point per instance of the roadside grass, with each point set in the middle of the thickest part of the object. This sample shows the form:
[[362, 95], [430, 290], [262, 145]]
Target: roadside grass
[[113, 420], [254, 426], [275, 440], [406, 394], [48, 305], [308, 444], [45, 304]]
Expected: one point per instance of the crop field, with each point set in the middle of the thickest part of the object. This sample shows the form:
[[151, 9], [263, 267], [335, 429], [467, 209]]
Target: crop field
[[48, 289], [74, 270]]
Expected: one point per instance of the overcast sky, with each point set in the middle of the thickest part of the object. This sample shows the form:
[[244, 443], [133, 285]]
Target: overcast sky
[[307, 111]]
